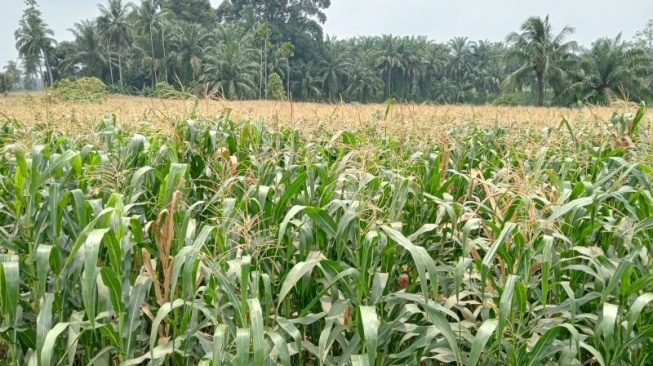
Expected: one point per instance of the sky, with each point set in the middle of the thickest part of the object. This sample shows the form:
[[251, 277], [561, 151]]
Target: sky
[[439, 20]]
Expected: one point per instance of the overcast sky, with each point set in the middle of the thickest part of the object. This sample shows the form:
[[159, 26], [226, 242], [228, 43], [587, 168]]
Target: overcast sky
[[439, 20]]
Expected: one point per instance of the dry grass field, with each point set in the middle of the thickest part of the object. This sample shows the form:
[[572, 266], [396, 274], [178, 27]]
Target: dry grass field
[[403, 119]]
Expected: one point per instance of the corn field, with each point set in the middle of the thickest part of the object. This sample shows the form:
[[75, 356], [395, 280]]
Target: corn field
[[228, 242]]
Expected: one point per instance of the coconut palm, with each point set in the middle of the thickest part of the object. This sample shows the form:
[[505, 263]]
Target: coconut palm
[[34, 40], [116, 27], [147, 17], [538, 49], [611, 70], [89, 48]]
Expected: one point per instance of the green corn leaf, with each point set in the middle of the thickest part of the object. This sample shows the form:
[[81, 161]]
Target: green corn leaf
[[112, 281], [280, 347], [480, 340], [258, 332], [370, 325], [44, 322], [42, 267], [164, 310], [422, 259], [505, 304], [219, 342], [91, 249], [242, 347], [139, 291]]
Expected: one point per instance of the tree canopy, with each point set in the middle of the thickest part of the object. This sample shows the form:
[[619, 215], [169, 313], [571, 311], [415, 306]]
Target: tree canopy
[[232, 50]]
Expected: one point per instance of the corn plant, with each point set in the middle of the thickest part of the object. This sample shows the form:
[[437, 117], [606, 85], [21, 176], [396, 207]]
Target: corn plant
[[225, 243]]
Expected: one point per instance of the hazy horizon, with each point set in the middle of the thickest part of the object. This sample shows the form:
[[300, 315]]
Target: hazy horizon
[[438, 21]]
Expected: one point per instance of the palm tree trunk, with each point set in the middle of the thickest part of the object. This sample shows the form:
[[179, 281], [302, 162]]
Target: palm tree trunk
[[265, 68], [165, 59], [288, 78], [154, 81], [120, 68], [47, 67], [109, 59], [540, 89]]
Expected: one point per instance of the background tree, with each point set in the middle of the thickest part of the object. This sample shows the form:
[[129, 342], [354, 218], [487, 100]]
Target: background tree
[[34, 39], [116, 28], [538, 49], [286, 51], [12, 72], [611, 70]]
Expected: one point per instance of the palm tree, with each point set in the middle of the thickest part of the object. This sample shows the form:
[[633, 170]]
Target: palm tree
[[12, 72], [334, 67], [389, 59], [286, 51], [116, 27], [364, 82], [34, 39], [189, 42], [230, 69], [307, 82], [147, 16], [89, 48], [460, 61], [538, 50], [263, 32], [611, 69]]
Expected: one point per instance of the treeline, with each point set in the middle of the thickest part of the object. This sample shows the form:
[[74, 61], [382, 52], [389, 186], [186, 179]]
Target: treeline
[[257, 49]]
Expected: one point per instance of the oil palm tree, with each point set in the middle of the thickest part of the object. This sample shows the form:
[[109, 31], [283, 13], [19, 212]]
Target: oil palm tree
[[116, 27], [389, 59], [334, 67], [538, 50], [189, 42], [89, 48], [610, 70], [231, 70]]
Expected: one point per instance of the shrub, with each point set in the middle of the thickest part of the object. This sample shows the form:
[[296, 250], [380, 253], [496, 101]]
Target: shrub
[[275, 87], [505, 99], [84, 89]]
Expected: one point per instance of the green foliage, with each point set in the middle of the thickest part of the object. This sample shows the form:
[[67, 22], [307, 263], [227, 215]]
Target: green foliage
[[275, 87], [5, 83], [84, 90], [226, 243], [505, 99]]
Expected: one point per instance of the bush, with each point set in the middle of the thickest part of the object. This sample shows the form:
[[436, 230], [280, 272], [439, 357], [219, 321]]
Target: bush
[[275, 87], [505, 99], [163, 90], [84, 89]]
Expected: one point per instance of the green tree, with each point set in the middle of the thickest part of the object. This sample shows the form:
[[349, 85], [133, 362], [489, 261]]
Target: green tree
[[5, 83], [389, 59], [89, 48], [192, 11], [334, 68], [116, 27], [147, 17], [189, 42], [231, 66], [538, 50], [34, 39], [610, 70], [12, 72], [286, 51], [275, 87]]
